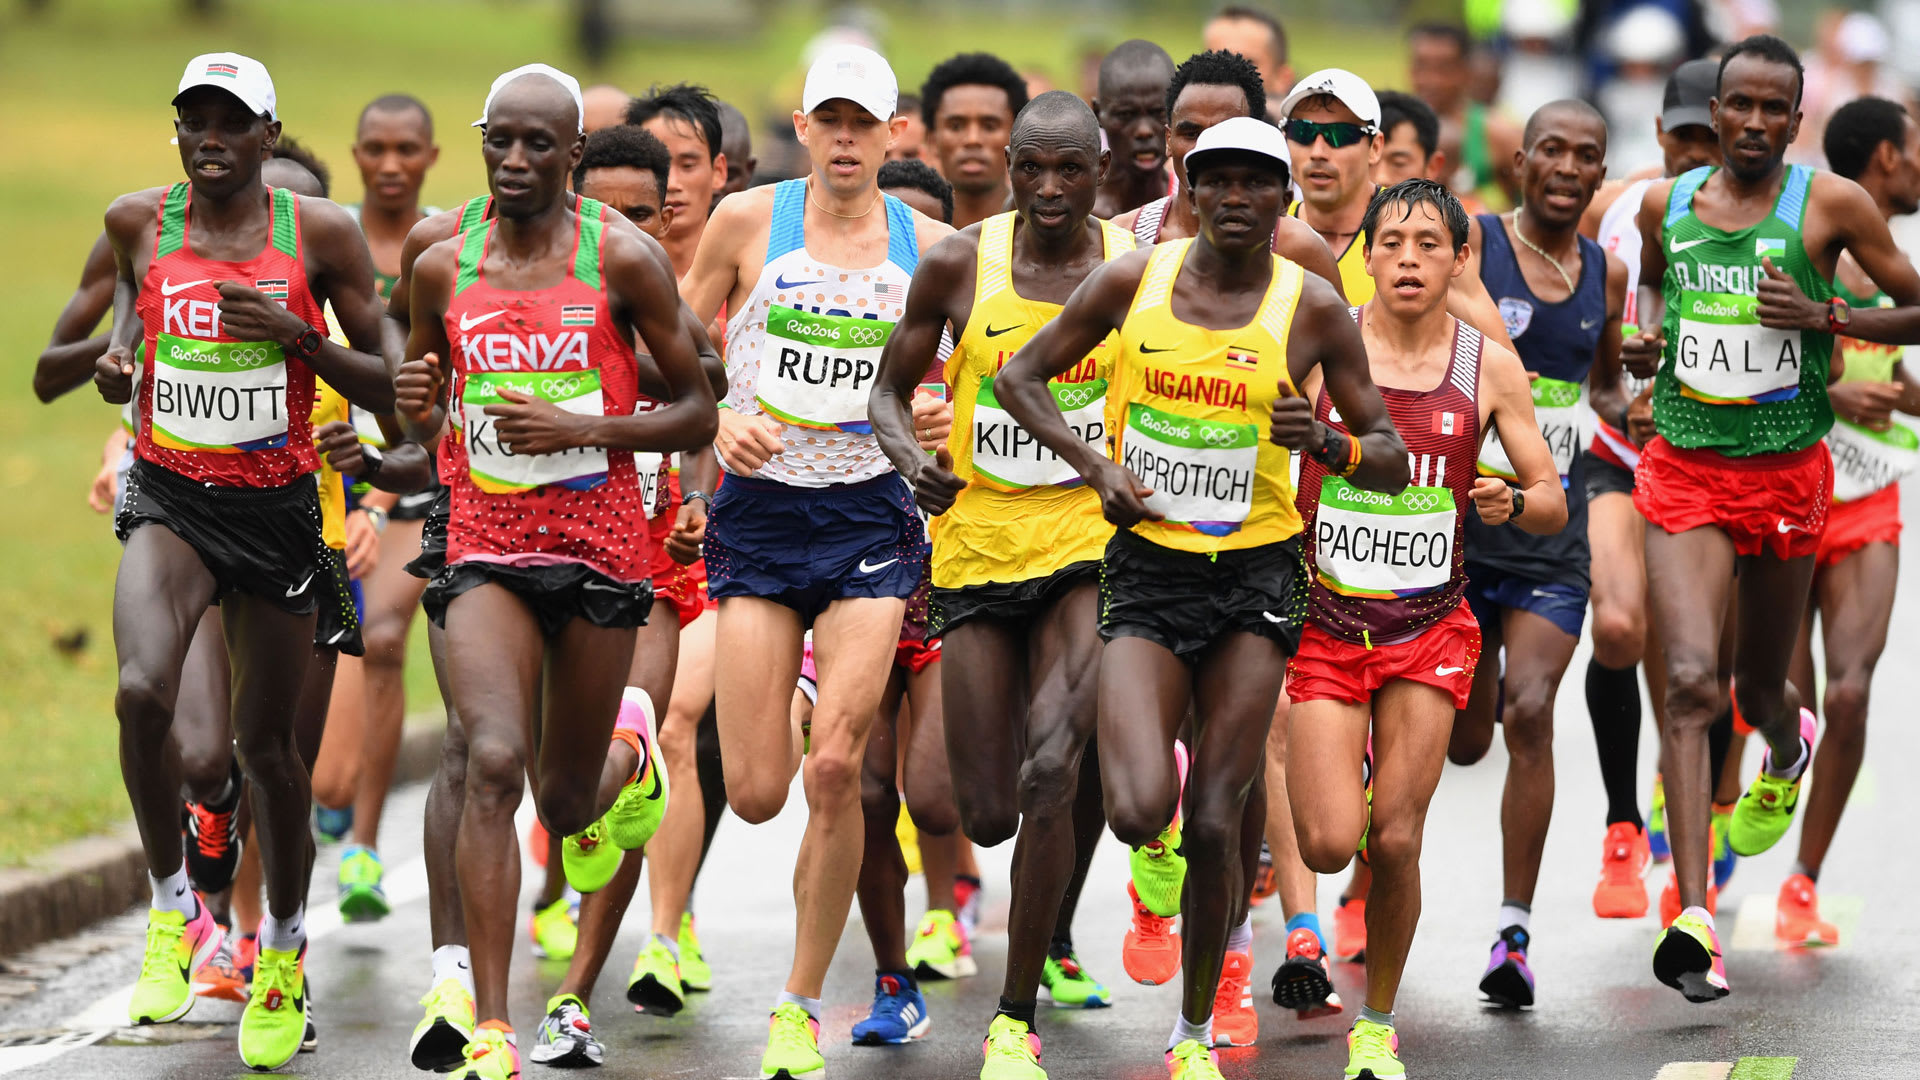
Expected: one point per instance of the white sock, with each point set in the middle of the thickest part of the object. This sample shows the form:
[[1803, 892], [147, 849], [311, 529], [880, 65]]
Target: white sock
[[284, 935], [1240, 938], [1702, 914], [174, 892], [1794, 770], [453, 962], [1201, 1033], [812, 1005], [672, 946], [1512, 914]]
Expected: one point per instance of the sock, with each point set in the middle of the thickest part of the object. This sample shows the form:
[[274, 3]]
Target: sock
[[1375, 1016], [1515, 913], [1793, 771], [1702, 914], [672, 946], [1022, 1011], [1201, 1033], [906, 979], [453, 962], [1240, 938], [284, 935], [1801, 868], [812, 1005], [174, 892], [1059, 948], [1310, 920], [1613, 701]]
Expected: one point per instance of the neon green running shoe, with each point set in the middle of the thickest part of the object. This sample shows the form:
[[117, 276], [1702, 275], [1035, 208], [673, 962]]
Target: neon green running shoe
[[1657, 823], [1011, 1051], [1687, 957], [1189, 1060], [1373, 1052], [590, 858], [362, 896], [1160, 872], [440, 1038], [654, 985], [695, 972], [793, 1046], [555, 934], [492, 1055], [940, 949], [275, 1020], [177, 947], [1762, 815], [636, 814], [1070, 987]]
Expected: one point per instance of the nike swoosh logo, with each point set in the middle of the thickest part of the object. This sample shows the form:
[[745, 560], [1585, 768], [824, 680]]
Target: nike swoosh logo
[[991, 332], [1544, 595], [1588, 324], [168, 288], [300, 588], [1786, 528], [865, 568], [468, 324], [1150, 349], [1677, 246], [1443, 672], [780, 282], [337, 635], [1272, 618]]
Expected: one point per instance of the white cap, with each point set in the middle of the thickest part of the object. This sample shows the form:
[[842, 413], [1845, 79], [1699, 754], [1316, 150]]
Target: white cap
[[567, 82], [1351, 90], [859, 75], [242, 76], [1862, 39], [1241, 135]]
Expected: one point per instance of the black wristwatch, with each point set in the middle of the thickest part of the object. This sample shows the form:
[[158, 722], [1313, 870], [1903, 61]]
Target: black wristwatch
[[1519, 505], [307, 345], [374, 460], [701, 495]]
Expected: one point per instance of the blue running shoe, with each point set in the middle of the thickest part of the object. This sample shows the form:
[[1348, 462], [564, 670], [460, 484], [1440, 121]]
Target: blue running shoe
[[1724, 857], [330, 826], [899, 1014], [1508, 982], [1657, 824]]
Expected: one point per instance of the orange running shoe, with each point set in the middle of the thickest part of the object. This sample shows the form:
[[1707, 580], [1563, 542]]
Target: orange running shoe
[[1796, 919], [1151, 951], [1670, 900], [1303, 983], [1234, 1021], [1350, 930], [220, 977], [1265, 881], [1621, 893]]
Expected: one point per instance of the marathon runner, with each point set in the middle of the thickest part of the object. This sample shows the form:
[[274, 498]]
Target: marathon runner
[[1204, 589], [1738, 478], [1561, 297], [912, 143], [1390, 648], [1256, 35], [736, 143], [1131, 104], [1479, 142], [687, 119], [1017, 542], [1876, 144], [795, 440], [1615, 529], [1409, 141], [221, 509], [511, 594], [968, 104], [605, 106]]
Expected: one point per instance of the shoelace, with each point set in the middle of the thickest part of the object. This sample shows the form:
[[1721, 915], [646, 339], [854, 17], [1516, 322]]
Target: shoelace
[[1010, 1042], [1191, 1054], [1373, 1040], [211, 830], [791, 1030], [1148, 924], [163, 951]]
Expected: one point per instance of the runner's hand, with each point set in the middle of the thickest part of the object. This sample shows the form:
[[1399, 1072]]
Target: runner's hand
[[532, 425], [932, 420], [935, 486], [106, 484], [1640, 427], [1640, 353], [1783, 306], [339, 443], [247, 314], [747, 442], [363, 545], [416, 388], [1123, 498], [1493, 499], [113, 375], [1293, 425], [689, 531], [1868, 404]]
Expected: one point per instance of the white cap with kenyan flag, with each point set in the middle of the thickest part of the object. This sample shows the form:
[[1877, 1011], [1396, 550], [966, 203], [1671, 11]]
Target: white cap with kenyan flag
[[242, 76]]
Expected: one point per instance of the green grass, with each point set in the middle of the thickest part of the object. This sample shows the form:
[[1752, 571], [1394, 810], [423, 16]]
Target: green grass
[[86, 88]]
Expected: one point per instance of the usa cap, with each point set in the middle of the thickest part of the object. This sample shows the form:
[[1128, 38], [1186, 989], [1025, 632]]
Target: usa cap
[[857, 74]]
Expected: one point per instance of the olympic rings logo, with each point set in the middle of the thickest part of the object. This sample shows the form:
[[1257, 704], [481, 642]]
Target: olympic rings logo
[[1076, 397], [866, 335], [1219, 436], [252, 358], [1421, 500]]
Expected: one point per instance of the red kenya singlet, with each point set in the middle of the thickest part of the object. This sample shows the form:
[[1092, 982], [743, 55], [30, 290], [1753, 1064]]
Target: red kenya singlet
[[1387, 567], [560, 344], [211, 408]]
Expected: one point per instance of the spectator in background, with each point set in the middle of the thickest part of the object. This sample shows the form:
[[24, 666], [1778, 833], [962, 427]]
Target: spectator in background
[[912, 143], [1412, 132], [1538, 65], [603, 106], [1257, 36], [1641, 48], [1478, 142], [1850, 63]]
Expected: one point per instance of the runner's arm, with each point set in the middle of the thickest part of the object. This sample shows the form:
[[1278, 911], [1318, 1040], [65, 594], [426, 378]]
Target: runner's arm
[[68, 359], [641, 284], [1467, 296], [397, 322], [1325, 338], [1861, 228], [420, 386], [1640, 354], [1503, 381], [715, 369], [333, 241], [1295, 239], [946, 272], [715, 263], [1605, 393], [128, 220]]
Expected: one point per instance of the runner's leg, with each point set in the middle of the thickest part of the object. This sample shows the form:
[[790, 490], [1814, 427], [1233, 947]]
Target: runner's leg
[[676, 849], [1537, 656], [272, 653], [392, 600], [1855, 597], [1618, 537], [753, 703], [881, 889], [446, 802], [1408, 753]]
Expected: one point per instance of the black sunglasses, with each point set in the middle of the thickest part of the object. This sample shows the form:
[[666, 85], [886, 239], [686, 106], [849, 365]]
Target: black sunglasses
[[1339, 134]]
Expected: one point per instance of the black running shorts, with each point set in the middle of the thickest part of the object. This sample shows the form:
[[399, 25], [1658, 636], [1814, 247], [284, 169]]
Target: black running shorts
[[1604, 476], [261, 541], [1185, 600], [337, 625], [433, 538], [557, 594], [1014, 601]]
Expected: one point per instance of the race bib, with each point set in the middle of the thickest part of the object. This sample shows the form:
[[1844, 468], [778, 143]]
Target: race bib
[[1007, 457], [1866, 461], [817, 370], [220, 397], [497, 470], [1725, 357], [654, 491], [1559, 408], [1379, 546], [1201, 471]]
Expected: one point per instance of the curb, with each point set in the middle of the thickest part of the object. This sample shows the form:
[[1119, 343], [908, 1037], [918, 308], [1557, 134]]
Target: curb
[[61, 892]]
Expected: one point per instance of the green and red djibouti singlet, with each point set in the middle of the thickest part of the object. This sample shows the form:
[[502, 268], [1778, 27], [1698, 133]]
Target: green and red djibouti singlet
[[208, 407], [1728, 384]]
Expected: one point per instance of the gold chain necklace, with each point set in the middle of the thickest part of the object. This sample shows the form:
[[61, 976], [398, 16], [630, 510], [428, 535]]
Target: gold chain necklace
[[1538, 250], [817, 206]]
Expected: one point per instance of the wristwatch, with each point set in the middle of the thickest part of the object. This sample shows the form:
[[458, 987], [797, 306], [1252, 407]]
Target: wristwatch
[[1839, 316], [307, 345], [1519, 505], [701, 495], [377, 516], [374, 461]]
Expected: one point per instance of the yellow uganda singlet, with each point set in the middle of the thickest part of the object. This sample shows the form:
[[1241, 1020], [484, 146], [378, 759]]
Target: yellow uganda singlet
[[1355, 281], [1025, 513], [1192, 408], [330, 405]]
